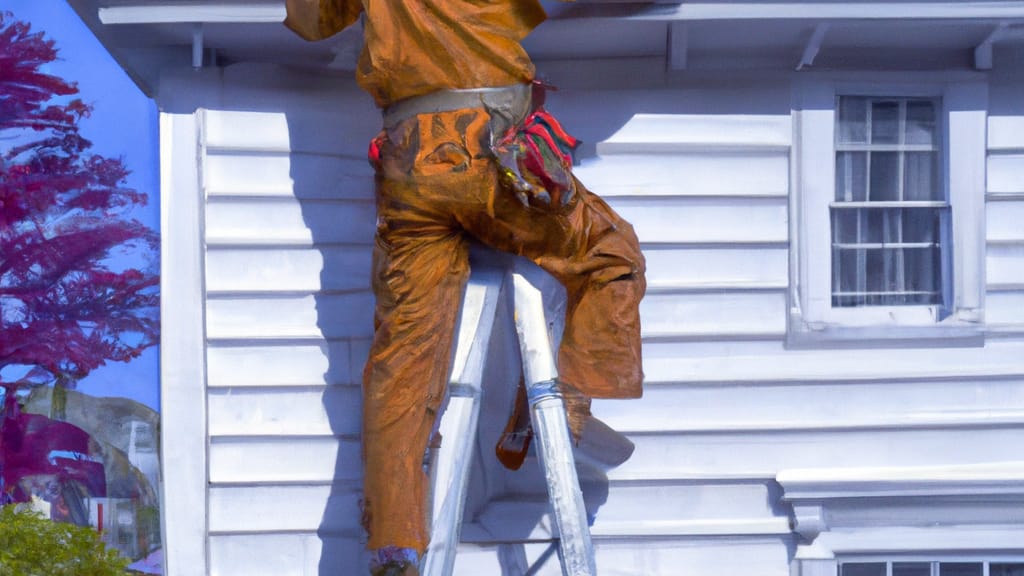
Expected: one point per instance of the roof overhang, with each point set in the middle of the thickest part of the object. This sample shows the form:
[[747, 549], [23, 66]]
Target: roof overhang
[[149, 35]]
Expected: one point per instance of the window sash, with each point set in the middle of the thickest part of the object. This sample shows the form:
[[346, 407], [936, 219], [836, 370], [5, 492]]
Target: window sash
[[888, 260], [930, 568]]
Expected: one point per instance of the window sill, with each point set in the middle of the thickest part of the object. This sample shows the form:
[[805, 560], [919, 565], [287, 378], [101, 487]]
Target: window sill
[[961, 330]]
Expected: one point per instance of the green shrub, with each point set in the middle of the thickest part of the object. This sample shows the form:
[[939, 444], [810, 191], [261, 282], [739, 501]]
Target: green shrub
[[31, 545]]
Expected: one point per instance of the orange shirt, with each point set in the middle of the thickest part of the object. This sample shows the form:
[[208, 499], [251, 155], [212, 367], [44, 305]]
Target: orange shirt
[[414, 47]]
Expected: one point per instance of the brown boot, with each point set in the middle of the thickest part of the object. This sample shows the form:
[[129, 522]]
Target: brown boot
[[396, 569], [514, 443], [577, 409]]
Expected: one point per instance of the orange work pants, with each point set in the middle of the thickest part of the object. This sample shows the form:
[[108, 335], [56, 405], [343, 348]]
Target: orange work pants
[[437, 188]]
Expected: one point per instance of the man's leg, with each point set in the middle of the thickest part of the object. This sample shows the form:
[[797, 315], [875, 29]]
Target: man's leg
[[418, 278], [596, 255]]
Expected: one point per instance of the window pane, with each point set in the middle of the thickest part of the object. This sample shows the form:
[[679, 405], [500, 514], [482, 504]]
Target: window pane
[[921, 224], [881, 268], [885, 122], [923, 273], [920, 176], [853, 120], [1006, 570], [878, 226], [865, 569], [851, 271], [851, 176], [844, 225], [960, 569], [885, 176], [911, 569], [920, 122]]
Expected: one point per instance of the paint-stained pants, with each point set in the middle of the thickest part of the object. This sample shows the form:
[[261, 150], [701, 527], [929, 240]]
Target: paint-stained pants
[[437, 188]]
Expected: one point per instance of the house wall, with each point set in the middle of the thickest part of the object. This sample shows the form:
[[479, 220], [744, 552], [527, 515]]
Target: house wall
[[702, 168]]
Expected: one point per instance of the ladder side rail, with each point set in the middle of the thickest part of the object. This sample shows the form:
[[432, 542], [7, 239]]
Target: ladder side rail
[[450, 464], [551, 430]]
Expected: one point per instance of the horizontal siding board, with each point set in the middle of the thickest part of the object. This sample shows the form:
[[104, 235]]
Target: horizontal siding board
[[1003, 221], [247, 130], [295, 554], [302, 130], [629, 503], [714, 362], [315, 459], [688, 174], [625, 557], [254, 509], [516, 520], [286, 364], [1005, 309], [306, 176], [815, 406], [327, 268], [1006, 132], [330, 316], [686, 315], [660, 456], [1004, 264], [1006, 174], [764, 453], [664, 132], [716, 220], [284, 411], [669, 267], [273, 221]]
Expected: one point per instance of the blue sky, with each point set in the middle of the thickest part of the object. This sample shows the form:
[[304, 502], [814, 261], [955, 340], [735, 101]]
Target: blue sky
[[123, 124]]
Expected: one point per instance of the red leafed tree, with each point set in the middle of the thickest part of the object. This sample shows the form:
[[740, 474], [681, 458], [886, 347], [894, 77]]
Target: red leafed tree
[[77, 288]]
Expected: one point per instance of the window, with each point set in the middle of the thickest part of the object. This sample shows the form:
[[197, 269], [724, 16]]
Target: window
[[931, 569], [888, 211], [890, 215]]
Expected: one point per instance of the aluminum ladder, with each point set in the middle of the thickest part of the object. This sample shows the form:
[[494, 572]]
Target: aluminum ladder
[[451, 463]]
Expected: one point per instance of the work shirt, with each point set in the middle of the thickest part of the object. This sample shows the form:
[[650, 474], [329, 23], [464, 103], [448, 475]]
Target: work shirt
[[415, 47]]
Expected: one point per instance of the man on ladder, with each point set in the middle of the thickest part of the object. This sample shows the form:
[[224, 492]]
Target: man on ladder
[[467, 152]]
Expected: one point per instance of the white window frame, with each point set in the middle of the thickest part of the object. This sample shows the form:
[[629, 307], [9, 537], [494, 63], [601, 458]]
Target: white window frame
[[934, 561], [963, 115]]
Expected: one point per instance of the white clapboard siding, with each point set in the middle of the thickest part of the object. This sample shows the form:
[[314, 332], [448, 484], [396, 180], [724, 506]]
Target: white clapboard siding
[[276, 317], [747, 314], [1005, 133], [290, 554], [1005, 308], [811, 406], [283, 508], [666, 506], [692, 173], [284, 459], [667, 133], [762, 454], [1004, 173], [1004, 221], [327, 268], [289, 225], [758, 363], [281, 364], [631, 557], [286, 221], [518, 519], [1004, 263], [324, 130], [705, 220], [285, 411], [1004, 299], [237, 173], [686, 267]]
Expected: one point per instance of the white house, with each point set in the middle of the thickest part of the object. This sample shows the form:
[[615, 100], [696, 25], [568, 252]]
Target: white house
[[830, 196]]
